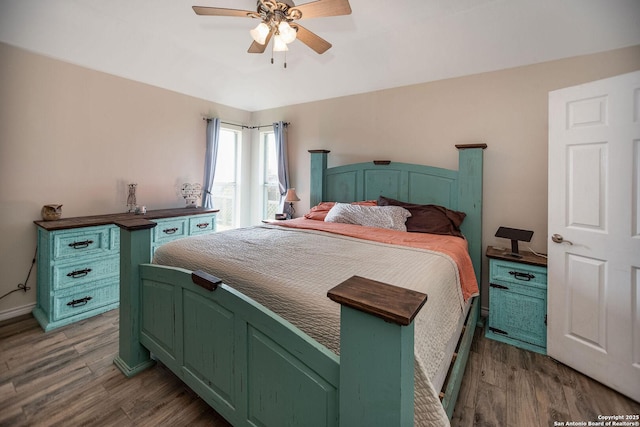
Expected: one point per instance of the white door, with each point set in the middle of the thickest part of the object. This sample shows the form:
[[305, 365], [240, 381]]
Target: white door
[[594, 209]]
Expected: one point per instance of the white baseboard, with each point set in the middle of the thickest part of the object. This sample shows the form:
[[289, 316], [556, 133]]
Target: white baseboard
[[16, 311]]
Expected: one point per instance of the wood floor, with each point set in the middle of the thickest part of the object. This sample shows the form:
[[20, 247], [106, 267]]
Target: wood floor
[[66, 377]]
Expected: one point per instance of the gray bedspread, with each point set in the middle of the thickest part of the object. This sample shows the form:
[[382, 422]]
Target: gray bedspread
[[290, 271]]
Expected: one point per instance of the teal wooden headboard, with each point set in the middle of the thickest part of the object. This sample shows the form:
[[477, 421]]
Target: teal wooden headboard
[[460, 189]]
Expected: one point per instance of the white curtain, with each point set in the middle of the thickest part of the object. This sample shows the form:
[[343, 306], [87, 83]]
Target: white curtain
[[213, 138], [280, 133]]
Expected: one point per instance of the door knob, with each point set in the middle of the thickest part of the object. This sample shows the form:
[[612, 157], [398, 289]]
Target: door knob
[[557, 238]]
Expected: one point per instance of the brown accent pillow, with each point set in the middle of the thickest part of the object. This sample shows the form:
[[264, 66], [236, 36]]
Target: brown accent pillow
[[320, 211], [429, 218]]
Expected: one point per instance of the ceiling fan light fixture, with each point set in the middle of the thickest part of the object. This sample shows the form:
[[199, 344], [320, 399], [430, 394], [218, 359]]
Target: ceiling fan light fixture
[[278, 44], [260, 33], [287, 33], [279, 20]]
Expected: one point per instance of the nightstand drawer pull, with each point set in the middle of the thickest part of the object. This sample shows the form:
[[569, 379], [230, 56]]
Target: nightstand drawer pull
[[498, 331], [493, 285], [170, 230], [522, 276], [81, 245], [79, 302], [202, 225], [79, 273]]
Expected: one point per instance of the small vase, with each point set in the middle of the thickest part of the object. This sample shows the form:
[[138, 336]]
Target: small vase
[[51, 212]]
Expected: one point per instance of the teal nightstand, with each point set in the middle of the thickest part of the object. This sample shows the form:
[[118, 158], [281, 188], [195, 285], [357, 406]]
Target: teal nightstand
[[517, 299]]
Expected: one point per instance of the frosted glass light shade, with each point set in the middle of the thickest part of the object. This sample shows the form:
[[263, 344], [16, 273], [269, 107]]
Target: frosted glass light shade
[[279, 45], [287, 33], [260, 33]]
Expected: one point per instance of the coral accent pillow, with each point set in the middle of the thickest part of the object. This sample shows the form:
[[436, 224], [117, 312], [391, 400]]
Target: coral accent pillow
[[319, 212], [432, 219]]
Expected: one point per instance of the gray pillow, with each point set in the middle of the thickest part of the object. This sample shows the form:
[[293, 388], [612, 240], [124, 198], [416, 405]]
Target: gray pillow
[[391, 217]]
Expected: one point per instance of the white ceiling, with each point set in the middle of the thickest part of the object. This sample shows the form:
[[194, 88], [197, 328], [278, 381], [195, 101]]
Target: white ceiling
[[382, 44]]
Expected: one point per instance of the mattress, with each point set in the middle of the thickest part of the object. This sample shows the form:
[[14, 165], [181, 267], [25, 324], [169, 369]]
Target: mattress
[[290, 270]]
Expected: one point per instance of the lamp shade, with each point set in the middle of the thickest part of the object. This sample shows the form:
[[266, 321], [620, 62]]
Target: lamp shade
[[291, 196], [260, 33]]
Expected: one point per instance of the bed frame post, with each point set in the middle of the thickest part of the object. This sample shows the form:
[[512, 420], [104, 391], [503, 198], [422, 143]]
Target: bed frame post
[[376, 352], [470, 199], [135, 249], [318, 166]]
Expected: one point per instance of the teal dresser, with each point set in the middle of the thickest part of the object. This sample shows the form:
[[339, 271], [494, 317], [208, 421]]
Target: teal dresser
[[78, 262], [518, 299]]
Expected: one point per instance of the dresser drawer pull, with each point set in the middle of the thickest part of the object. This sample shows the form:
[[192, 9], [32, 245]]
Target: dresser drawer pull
[[493, 285], [498, 331], [79, 302], [170, 230], [81, 245], [79, 273], [522, 276], [202, 225]]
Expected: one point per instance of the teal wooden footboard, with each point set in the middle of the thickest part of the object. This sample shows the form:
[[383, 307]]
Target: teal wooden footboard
[[247, 363], [255, 368]]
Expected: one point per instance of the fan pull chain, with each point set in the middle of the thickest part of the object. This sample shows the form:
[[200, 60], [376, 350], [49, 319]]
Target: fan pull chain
[[285, 58]]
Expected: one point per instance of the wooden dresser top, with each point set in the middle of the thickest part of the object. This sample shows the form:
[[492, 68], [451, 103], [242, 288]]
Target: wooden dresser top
[[527, 257], [89, 221]]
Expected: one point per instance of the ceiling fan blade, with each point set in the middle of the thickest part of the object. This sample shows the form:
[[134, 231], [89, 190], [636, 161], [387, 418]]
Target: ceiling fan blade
[[312, 40], [320, 8], [220, 11], [259, 48]]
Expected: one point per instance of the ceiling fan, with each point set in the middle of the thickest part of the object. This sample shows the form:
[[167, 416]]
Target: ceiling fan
[[279, 21]]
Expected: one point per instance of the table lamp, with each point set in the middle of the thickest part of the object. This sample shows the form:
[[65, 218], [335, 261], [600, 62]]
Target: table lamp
[[290, 198]]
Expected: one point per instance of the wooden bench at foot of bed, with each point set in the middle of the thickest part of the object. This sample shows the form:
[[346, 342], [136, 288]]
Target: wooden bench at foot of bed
[[254, 367]]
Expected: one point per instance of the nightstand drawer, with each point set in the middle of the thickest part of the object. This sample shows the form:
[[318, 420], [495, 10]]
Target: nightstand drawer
[[86, 271], [81, 243], [517, 273], [202, 224], [170, 229], [90, 298]]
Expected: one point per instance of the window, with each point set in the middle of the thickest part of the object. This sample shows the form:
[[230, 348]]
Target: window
[[270, 187], [225, 188]]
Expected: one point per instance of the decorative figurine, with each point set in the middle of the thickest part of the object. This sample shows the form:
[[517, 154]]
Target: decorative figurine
[[51, 212], [191, 194], [131, 199]]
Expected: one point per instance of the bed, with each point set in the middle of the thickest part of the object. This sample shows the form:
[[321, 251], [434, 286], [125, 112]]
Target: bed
[[363, 356]]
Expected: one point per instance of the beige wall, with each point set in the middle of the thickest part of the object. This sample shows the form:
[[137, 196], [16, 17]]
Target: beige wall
[[74, 136], [421, 124], [77, 137]]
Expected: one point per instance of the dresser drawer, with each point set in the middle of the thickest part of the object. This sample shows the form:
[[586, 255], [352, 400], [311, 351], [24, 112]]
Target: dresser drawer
[[202, 224], [115, 239], [503, 272], [85, 242], [90, 298], [86, 271], [170, 229]]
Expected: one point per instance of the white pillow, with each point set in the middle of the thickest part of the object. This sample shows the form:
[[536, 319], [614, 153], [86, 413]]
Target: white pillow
[[391, 217]]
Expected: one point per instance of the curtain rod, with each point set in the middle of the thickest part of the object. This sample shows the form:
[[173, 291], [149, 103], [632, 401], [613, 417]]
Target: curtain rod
[[244, 126]]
